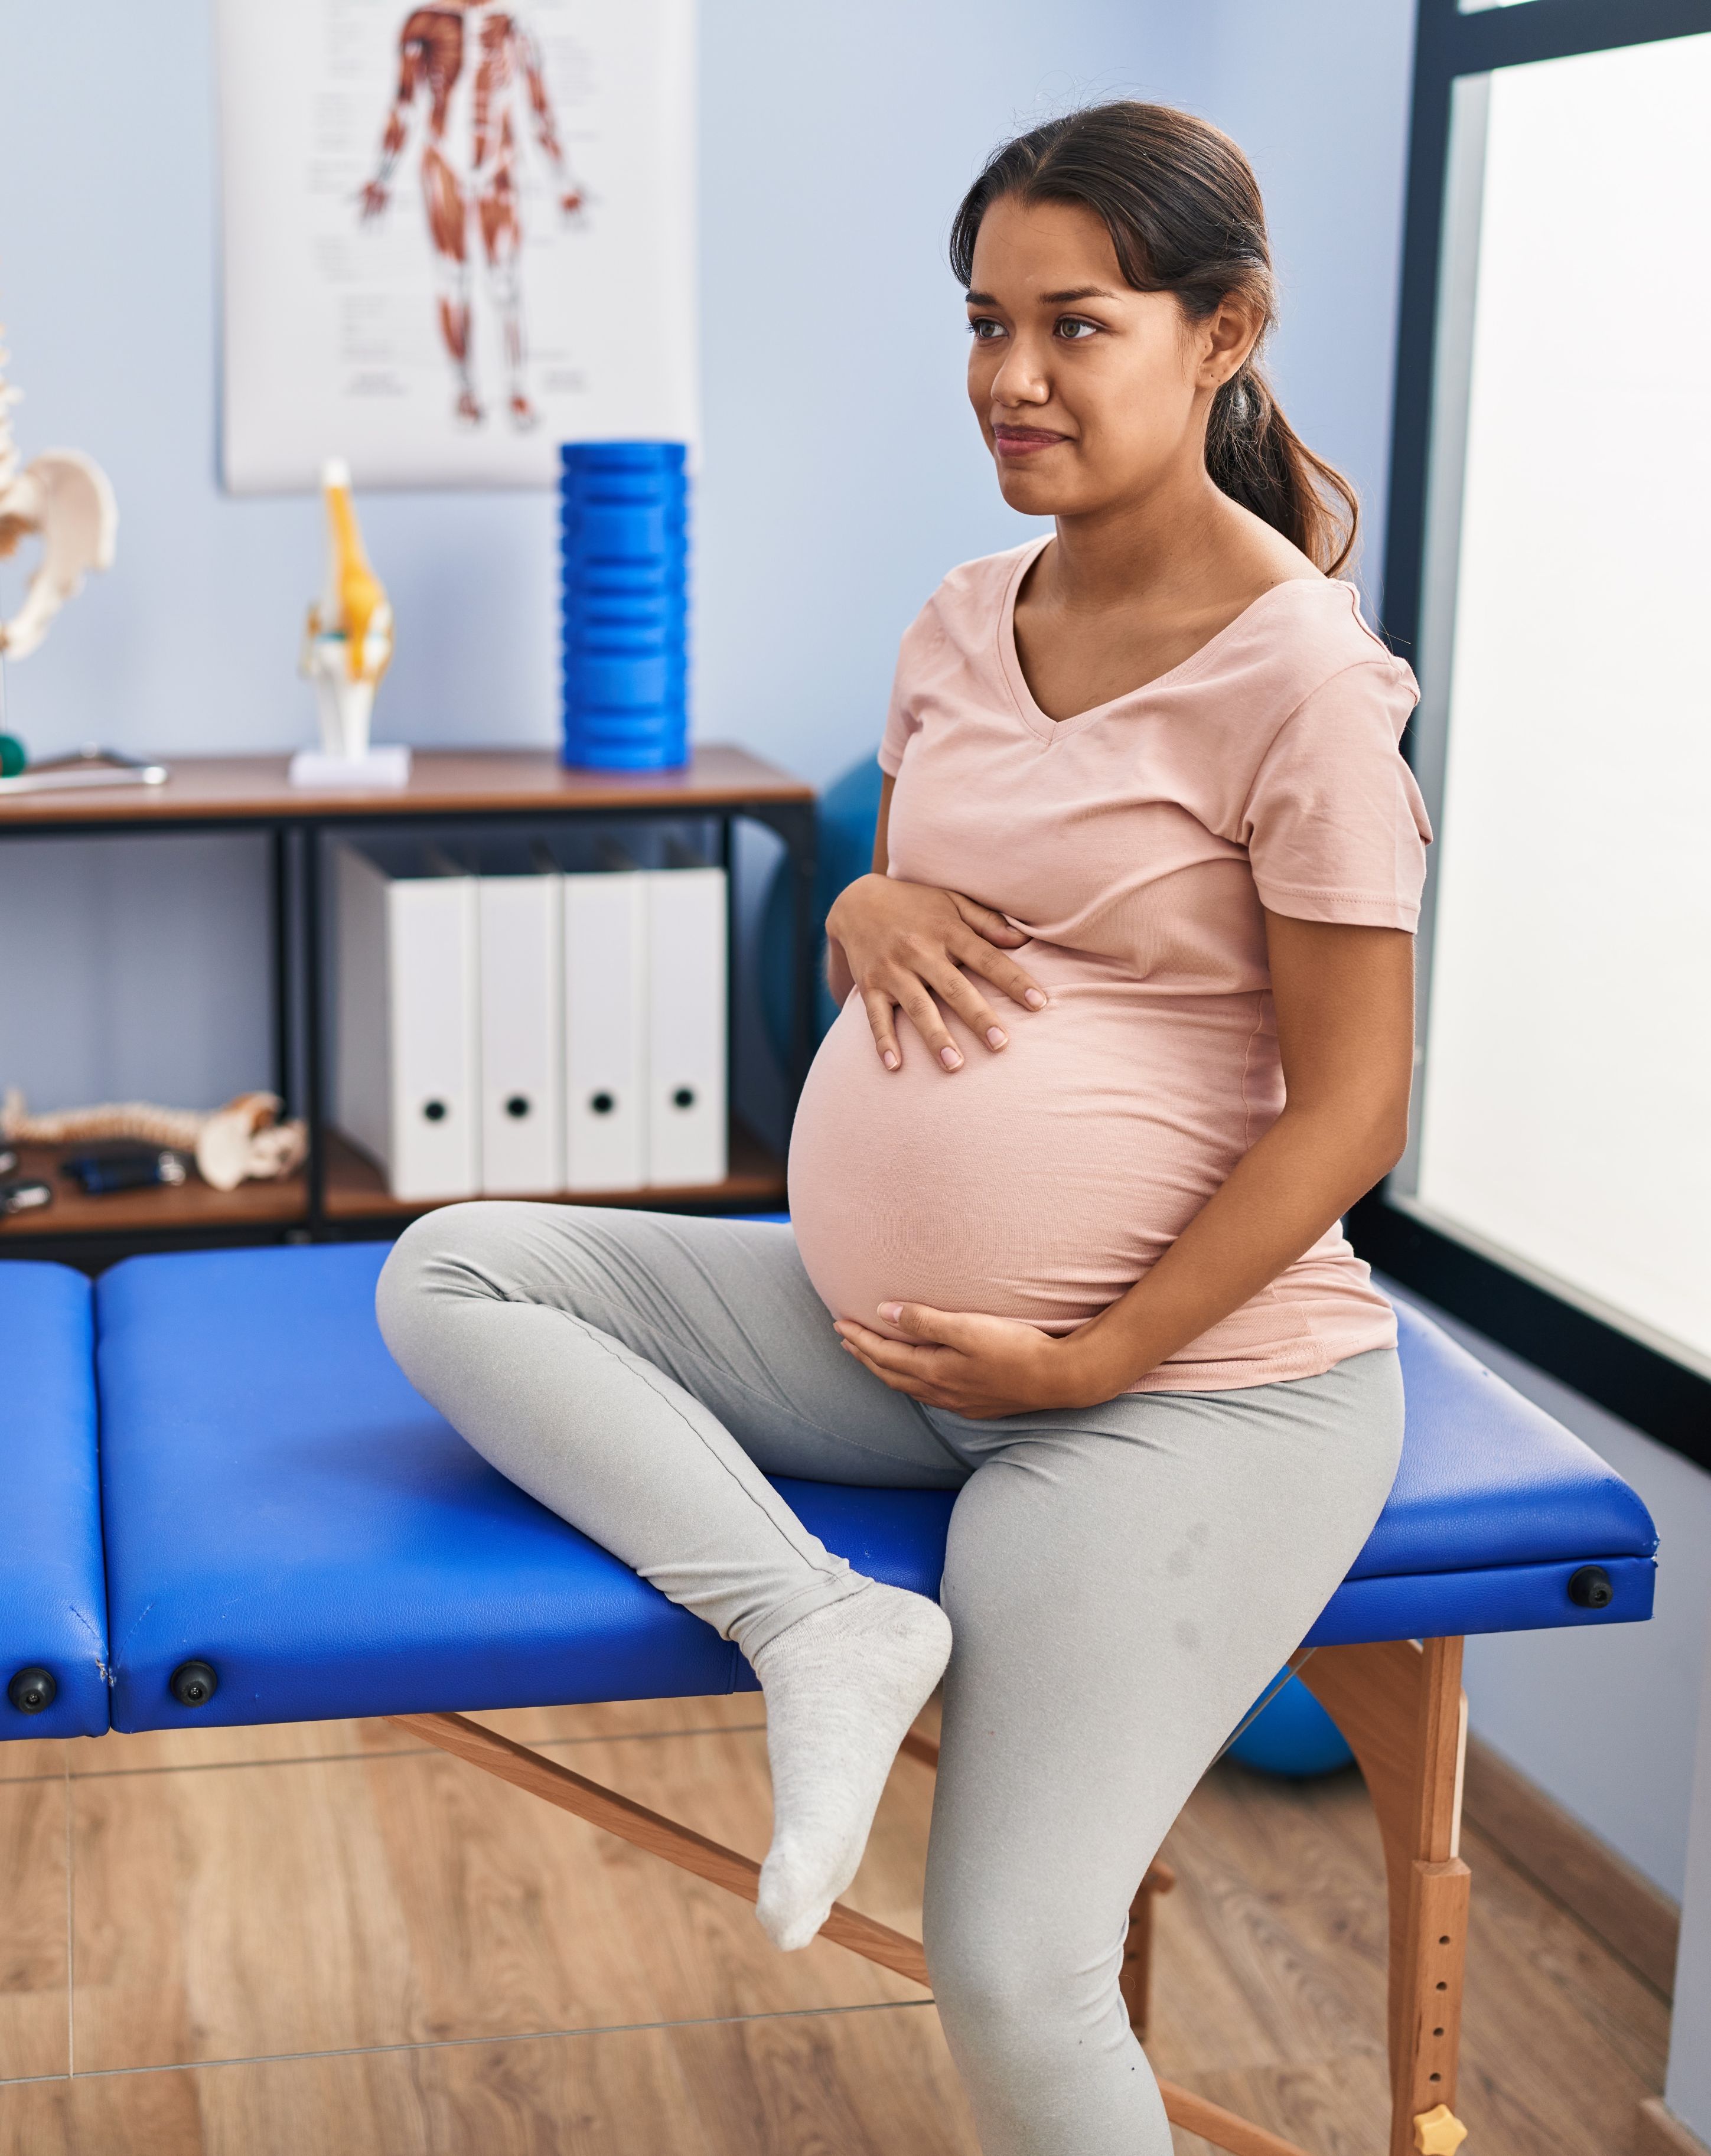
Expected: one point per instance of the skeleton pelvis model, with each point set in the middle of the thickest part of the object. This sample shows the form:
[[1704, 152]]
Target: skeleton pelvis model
[[63, 498]]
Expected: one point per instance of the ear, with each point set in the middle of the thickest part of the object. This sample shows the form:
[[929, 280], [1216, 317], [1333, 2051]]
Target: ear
[[1228, 336]]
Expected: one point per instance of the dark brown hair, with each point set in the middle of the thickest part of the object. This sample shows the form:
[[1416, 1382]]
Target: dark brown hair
[[1183, 208]]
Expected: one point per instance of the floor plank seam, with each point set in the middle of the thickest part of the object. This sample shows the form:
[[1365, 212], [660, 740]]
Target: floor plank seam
[[465, 2043], [1498, 1852], [359, 1758]]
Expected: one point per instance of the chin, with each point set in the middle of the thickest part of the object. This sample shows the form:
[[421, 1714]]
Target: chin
[[1030, 494]]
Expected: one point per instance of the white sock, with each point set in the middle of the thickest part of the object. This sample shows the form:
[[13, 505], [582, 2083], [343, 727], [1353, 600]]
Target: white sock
[[842, 1688]]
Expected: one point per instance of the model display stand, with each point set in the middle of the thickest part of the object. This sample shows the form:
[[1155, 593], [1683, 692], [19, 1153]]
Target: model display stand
[[348, 646]]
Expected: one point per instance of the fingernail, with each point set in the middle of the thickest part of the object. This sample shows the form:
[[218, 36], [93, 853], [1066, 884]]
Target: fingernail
[[996, 1036], [1035, 1000], [892, 1312], [951, 1058], [889, 1059]]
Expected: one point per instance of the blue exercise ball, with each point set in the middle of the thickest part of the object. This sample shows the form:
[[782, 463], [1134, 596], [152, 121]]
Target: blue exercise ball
[[1293, 1737], [847, 817]]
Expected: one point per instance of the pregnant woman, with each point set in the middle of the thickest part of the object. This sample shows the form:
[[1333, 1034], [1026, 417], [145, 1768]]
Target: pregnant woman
[[1125, 1026]]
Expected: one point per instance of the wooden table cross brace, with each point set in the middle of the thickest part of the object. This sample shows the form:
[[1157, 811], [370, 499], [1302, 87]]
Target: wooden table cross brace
[[1400, 1706]]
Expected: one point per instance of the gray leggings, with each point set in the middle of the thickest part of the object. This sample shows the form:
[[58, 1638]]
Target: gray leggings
[[1122, 1580]]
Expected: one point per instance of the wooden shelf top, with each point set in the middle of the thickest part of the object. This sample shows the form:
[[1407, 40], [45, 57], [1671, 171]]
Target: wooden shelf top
[[442, 783], [356, 1191], [190, 1204]]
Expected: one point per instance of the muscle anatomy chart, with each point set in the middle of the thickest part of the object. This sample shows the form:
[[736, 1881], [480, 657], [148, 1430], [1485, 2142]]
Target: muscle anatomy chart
[[454, 235]]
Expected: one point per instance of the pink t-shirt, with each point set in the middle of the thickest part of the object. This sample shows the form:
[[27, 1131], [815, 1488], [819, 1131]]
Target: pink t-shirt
[[1136, 844]]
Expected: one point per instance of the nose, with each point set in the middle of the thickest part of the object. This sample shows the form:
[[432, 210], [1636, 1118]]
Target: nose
[[1023, 378]]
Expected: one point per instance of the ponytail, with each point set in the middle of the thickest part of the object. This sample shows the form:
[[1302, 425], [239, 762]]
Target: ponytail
[[1255, 457], [1183, 209]]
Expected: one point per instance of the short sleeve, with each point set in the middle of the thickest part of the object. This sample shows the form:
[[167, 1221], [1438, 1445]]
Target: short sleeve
[[1334, 823], [900, 721]]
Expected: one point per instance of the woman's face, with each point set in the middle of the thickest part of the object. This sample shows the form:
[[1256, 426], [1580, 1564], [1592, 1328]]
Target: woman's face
[[1088, 393]]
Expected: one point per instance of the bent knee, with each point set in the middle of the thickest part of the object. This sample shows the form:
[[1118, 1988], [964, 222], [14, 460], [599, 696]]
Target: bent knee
[[455, 1251], [1003, 1996]]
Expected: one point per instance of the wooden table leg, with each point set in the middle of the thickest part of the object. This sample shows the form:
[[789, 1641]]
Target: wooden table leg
[[1137, 1977], [1401, 1707]]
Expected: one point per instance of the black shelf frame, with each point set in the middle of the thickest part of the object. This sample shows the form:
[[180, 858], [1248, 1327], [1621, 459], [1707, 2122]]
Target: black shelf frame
[[1665, 1398], [296, 843]]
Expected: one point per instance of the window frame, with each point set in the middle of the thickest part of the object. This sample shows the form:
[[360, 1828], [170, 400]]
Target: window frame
[[1642, 1383]]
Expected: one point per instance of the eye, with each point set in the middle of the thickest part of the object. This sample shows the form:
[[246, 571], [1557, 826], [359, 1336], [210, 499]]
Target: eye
[[983, 328], [1074, 329]]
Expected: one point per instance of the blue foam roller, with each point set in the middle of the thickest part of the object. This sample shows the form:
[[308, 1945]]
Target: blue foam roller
[[623, 611]]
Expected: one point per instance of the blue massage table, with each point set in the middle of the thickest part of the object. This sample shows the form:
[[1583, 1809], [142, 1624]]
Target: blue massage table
[[273, 1527]]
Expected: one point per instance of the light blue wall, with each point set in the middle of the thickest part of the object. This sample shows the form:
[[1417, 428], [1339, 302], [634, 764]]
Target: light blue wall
[[1317, 91], [842, 476], [842, 472], [1688, 2091]]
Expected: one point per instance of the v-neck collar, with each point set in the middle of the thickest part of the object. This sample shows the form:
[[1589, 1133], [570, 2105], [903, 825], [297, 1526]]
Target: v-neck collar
[[1010, 665]]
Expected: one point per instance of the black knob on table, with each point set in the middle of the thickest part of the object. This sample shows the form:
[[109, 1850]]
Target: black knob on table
[[602, 1104], [1590, 1588], [33, 1690], [684, 1098], [194, 1684], [517, 1105], [435, 1111]]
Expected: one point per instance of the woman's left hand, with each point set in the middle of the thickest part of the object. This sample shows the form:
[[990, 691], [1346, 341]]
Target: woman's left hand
[[974, 1366]]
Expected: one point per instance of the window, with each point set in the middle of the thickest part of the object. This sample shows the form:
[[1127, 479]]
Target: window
[[1549, 577]]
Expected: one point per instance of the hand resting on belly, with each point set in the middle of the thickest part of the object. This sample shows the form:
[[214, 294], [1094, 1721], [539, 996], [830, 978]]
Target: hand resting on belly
[[904, 944]]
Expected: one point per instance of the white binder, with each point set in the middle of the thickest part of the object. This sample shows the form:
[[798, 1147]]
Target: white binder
[[687, 1141], [519, 927], [604, 915], [405, 1085]]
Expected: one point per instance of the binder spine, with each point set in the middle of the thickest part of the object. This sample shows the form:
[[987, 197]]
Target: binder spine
[[522, 984], [687, 1124], [605, 1041]]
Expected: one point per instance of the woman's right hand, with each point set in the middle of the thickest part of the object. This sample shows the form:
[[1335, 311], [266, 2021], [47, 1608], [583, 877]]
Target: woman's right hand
[[906, 943]]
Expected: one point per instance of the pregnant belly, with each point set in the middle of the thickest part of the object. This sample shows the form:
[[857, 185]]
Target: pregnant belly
[[1038, 1183]]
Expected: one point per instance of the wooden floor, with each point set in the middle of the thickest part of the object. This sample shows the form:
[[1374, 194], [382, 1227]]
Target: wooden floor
[[312, 1941]]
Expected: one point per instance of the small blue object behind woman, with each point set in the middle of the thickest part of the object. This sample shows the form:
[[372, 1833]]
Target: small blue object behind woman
[[1081, 1263]]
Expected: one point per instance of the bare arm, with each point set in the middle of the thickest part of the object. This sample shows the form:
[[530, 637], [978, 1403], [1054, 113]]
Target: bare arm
[[374, 195], [1344, 1000], [903, 944], [570, 195]]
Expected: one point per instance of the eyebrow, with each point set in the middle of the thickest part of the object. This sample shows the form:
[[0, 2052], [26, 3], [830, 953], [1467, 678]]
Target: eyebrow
[[1050, 299]]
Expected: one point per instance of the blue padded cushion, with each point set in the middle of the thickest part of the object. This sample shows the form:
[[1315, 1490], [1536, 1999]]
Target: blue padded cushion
[[280, 1503], [1488, 1478], [53, 1597]]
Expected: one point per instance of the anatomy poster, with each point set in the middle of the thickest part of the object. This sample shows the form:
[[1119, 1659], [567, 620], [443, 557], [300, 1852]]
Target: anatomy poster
[[453, 236]]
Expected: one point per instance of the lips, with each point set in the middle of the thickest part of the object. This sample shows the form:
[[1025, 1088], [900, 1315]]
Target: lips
[[1024, 441]]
